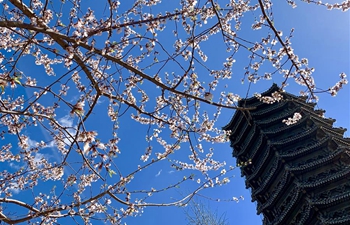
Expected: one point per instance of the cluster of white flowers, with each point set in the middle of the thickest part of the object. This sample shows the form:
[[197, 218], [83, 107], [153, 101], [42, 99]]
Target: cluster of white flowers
[[339, 85], [292, 120], [275, 97]]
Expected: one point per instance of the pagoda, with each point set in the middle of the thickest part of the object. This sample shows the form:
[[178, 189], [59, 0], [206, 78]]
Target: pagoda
[[298, 173]]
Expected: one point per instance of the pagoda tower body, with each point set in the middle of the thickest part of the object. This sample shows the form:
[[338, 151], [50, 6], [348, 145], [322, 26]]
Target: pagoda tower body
[[298, 173]]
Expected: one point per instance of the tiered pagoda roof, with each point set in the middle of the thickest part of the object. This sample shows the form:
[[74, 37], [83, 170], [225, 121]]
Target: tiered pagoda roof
[[298, 173]]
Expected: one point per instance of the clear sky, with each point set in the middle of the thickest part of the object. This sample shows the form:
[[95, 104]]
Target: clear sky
[[320, 35]]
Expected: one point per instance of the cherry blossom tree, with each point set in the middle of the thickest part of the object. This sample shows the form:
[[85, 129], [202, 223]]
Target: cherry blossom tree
[[75, 77]]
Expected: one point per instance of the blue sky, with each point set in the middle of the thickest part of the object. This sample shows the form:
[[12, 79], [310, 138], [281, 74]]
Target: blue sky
[[320, 35]]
